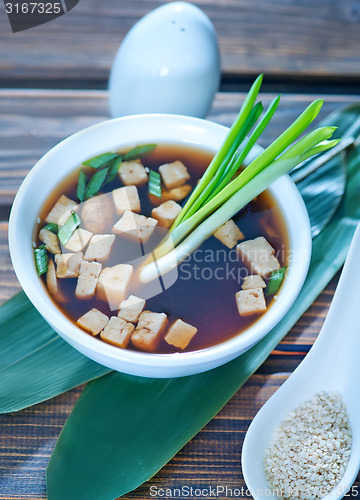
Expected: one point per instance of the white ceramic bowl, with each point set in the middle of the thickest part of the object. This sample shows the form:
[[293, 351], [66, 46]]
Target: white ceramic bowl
[[122, 133]]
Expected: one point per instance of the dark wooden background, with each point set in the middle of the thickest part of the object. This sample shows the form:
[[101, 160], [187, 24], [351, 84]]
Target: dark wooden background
[[53, 82]]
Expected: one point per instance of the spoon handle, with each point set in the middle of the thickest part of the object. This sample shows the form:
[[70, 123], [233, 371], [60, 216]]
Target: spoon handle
[[340, 335]]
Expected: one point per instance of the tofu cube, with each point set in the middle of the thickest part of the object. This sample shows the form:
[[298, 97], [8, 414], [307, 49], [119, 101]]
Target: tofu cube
[[93, 321], [52, 283], [68, 264], [117, 332], [258, 254], [166, 213], [251, 302], [51, 241], [174, 174], [64, 204], [131, 308], [150, 331], [180, 334], [175, 194], [78, 240], [229, 234], [97, 213], [113, 284], [99, 247], [253, 281], [126, 198], [87, 280], [135, 226], [133, 173]]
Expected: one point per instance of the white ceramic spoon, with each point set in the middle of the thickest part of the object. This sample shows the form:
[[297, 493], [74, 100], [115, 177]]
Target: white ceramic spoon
[[333, 364]]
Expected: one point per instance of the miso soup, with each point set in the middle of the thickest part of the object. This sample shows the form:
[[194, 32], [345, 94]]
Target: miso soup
[[92, 265]]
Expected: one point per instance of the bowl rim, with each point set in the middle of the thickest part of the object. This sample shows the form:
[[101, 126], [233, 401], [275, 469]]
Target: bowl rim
[[174, 364]]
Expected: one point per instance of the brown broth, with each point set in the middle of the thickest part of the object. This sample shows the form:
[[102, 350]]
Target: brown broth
[[204, 293]]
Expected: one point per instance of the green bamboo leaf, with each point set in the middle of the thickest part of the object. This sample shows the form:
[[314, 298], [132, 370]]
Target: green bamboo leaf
[[145, 422], [35, 363]]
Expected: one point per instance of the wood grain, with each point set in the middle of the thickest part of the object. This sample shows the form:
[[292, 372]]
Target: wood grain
[[33, 121], [281, 37]]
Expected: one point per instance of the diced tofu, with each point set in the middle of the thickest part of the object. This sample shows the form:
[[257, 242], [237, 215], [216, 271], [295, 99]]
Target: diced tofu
[[64, 204], [117, 332], [68, 265], [258, 254], [131, 308], [150, 331], [126, 198], [99, 247], [52, 282], [229, 234], [113, 284], [166, 213], [175, 194], [174, 174], [78, 240], [93, 321], [253, 281], [51, 241], [133, 173], [135, 226], [87, 280], [251, 302], [180, 334], [97, 213]]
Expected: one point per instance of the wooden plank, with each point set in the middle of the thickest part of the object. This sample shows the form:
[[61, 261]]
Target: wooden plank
[[32, 122], [281, 37]]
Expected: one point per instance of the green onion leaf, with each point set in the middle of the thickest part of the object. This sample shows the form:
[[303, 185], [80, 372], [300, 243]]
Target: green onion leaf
[[96, 181], [138, 151], [114, 168], [101, 160], [41, 259], [52, 227], [81, 187], [68, 229], [275, 280], [154, 183]]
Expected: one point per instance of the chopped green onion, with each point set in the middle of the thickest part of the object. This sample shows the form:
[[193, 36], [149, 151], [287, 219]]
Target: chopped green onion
[[81, 187], [52, 227], [275, 280], [222, 191], [41, 259], [114, 168], [101, 160], [154, 183], [68, 229], [226, 150], [96, 181], [138, 151]]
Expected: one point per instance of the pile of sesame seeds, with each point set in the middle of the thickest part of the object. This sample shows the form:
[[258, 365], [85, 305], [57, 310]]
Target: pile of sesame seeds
[[310, 450]]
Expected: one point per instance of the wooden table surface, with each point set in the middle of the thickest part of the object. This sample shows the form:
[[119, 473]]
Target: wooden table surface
[[53, 81]]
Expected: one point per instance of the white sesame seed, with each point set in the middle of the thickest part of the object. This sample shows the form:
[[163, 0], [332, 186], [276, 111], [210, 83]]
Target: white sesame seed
[[310, 450]]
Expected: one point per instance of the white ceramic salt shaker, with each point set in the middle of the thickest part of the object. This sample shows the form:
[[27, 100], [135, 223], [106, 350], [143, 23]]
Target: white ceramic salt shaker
[[168, 62]]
